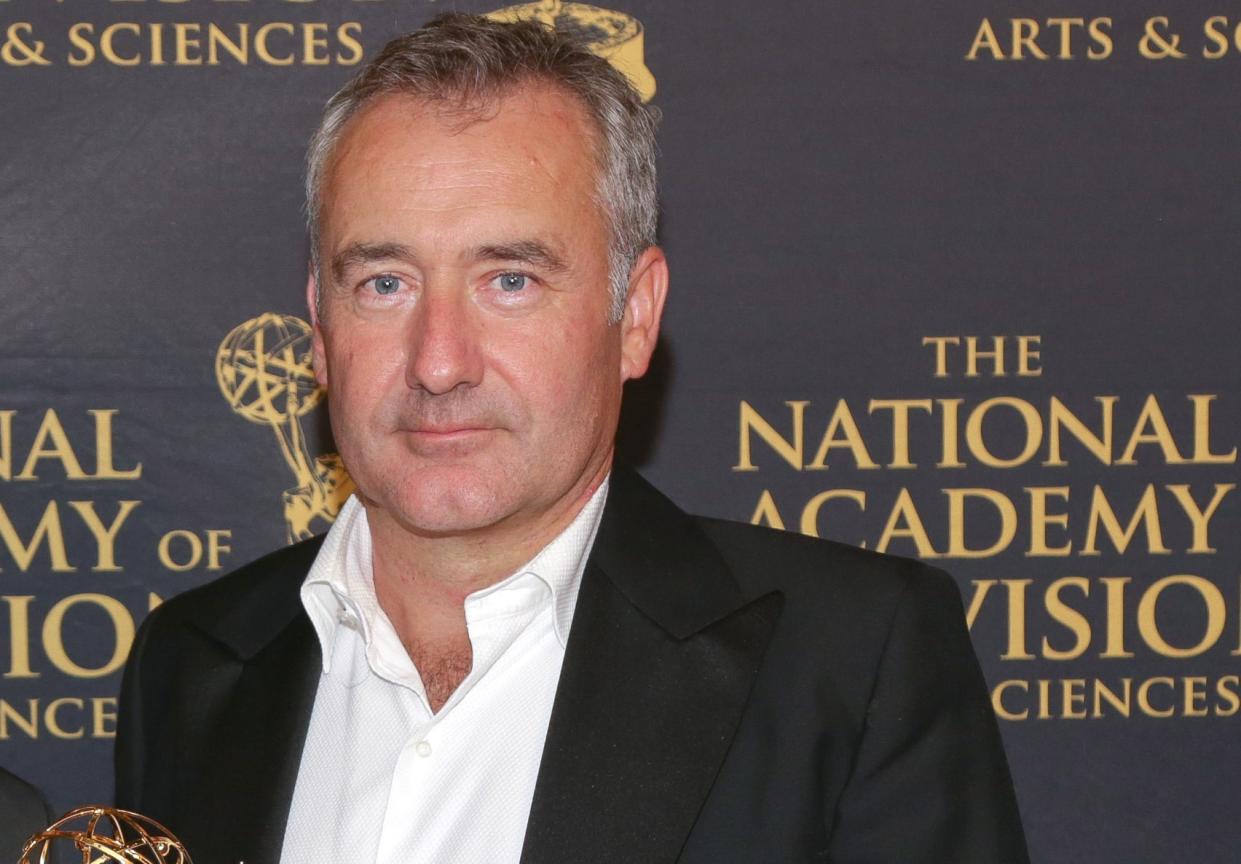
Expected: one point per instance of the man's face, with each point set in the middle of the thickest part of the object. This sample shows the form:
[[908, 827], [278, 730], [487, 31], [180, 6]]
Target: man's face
[[473, 377]]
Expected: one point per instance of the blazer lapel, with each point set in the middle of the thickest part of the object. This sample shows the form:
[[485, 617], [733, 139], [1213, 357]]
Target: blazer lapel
[[255, 750], [660, 660], [260, 707]]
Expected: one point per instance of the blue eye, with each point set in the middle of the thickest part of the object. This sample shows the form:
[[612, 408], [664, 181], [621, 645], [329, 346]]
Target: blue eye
[[386, 284], [511, 282]]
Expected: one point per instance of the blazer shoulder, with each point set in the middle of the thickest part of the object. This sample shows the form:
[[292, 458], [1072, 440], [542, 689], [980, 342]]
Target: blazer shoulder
[[241, 608], [20, 797], [23, 811], [805, 568], [272, 576], [845, 610]]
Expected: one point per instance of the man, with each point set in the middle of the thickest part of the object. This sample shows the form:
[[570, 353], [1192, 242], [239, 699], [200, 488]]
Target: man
[[506, 649], [23, 812]]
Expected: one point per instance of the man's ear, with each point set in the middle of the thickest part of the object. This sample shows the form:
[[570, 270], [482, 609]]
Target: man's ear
[[318, 356], [644, 307]]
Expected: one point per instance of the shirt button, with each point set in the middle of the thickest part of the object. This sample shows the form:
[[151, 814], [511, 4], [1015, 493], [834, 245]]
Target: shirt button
[[423, 748], [345, 617]]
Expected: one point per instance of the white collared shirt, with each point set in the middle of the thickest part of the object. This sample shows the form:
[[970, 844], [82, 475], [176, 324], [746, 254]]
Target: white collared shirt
[[383, 779]]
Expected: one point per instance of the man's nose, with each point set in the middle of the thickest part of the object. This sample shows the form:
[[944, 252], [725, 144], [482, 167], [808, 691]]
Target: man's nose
[[444, 351]]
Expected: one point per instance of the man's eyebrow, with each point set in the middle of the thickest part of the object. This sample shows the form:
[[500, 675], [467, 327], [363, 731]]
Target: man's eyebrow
[[365, 253], [532, 252]]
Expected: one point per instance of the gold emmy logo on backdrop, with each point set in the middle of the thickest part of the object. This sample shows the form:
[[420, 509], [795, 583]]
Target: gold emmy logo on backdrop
[[614, 36], [264, 372], [103, 834]]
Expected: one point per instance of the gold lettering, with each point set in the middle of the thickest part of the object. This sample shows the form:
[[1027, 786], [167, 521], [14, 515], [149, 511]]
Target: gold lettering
[[19, 636], [752, 421], [904, 521], [1100, 446], [1073, 698], [950, 457], [1144, 701], [29, 725], [977, 443], [109, 52], [1202, 435], [1121, 703], [61, 449], [192, 543], [1066, 26], [1146, 513], [105, 536], [1072, 620], [1044, 699], [313, 42], [48, 530], [1100, 33], [184, 44], [1199, 518], [1027, 346], [346, 34], [1195, 692], [87, 57], [216, 546], [260, 43], [766, 513], [1040, 519], [1017, 650], [157, 44], [997, 700], [122, 631], [1237, 653], [900, 425], [1115, 586], [217, 39], [1210, 29], [996, 354], [103, 717], [1148, 624], [982, 587], [52, 722], [941, 343], [842, 422], [1152, 416], [810, 513], [6, 444], [956, 522], [1229, 695], [1025, 31]]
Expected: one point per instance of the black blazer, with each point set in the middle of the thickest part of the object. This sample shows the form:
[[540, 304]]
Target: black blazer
[[23, 812], [728, 694]]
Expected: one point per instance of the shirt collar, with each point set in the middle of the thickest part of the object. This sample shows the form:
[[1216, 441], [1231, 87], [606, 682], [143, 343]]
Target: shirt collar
[[340, 588]]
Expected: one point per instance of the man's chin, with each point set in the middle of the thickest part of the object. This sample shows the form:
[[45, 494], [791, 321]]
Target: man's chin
[[443, 501]]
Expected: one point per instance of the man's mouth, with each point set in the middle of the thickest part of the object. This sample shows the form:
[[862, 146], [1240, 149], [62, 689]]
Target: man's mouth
[[446, 436]]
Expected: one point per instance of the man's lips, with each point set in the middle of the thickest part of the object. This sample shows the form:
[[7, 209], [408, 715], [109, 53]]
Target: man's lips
[[451, 436], [444, 431]]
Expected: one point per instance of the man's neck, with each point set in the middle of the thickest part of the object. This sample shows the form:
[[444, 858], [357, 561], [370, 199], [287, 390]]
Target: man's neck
[[422, 582]]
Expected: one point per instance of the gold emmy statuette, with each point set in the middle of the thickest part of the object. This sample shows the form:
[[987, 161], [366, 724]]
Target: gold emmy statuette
[[104, 834], [264, 371], [614, 36]]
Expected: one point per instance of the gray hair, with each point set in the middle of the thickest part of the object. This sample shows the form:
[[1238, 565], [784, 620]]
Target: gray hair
[[468, 61]]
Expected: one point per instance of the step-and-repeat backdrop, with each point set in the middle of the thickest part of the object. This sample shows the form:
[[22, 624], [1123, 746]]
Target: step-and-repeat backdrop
[[955, 281]]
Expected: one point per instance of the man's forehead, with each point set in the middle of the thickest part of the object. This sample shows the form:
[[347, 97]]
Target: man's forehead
[[403, 157], [539, 113]]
